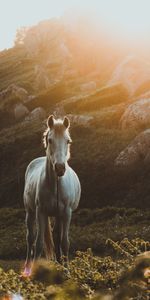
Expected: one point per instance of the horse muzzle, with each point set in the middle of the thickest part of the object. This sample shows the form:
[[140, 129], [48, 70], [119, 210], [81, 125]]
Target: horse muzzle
[[60, 169]]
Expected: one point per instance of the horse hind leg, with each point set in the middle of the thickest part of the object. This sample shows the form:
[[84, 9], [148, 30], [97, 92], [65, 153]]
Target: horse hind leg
[[30, 218], [57, 234]]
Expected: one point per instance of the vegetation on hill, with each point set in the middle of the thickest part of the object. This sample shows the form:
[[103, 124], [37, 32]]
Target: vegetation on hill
[[53, 65], [103, 97], [93, 153], [96, 145]]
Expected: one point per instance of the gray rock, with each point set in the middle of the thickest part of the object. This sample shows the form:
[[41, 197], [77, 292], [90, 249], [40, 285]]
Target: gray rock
[[36, 114], [19, 92], [20, 111], [15, 91], [137, 114], [137, 151], [132, 72], [80, 119]]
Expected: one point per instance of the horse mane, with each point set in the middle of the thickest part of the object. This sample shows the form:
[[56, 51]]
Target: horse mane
[[45, 137]]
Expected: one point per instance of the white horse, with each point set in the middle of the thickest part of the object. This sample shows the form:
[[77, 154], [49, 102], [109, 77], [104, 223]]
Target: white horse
[[52, 188]]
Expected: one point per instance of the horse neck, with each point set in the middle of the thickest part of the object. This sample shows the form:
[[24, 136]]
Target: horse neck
[[51, 176]]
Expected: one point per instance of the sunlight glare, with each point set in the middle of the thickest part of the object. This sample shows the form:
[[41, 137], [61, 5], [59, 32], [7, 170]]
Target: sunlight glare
[[125, 19]]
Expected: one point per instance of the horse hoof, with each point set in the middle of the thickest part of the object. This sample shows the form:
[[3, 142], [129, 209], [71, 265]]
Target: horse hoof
[[26, 272]]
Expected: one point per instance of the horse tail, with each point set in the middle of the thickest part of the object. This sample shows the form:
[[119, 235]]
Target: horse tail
[[48, 239]]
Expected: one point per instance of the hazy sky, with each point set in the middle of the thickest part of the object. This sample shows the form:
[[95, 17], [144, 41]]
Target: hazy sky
[[129, 18]]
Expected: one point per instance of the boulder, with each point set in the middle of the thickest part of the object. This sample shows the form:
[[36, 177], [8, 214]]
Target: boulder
[[15, 91], [136, 115], [5, 93], [19, 92], [36, 114], [133, 73], [30, 101], [80, 119], [20, 111], [137, 151]]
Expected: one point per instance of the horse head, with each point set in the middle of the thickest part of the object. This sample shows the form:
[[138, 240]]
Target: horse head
[[57, 142]]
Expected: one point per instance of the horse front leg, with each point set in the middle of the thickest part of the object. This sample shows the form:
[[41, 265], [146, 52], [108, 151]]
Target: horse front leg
[[41, 220], [65, 238], [57, 238]]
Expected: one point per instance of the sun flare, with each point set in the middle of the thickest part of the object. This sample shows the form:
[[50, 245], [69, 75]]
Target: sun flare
[[126, 20]]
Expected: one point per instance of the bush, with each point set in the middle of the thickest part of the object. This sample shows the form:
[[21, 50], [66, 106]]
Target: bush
[[87, 277]]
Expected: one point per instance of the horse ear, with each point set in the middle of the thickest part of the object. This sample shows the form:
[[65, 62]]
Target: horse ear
[[50, 121], [66, 122]]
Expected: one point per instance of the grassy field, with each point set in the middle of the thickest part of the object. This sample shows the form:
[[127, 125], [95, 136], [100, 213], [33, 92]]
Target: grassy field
[[115, 236], [89, 229]]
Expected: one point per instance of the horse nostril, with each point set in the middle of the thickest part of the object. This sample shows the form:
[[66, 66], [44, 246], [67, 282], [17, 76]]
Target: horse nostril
[[60, 168]]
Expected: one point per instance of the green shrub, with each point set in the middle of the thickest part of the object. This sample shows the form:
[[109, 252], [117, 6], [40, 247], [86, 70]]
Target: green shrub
[[88, 276]]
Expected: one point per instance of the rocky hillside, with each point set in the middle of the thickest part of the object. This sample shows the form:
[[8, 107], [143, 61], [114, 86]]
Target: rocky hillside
[[53, 69]]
